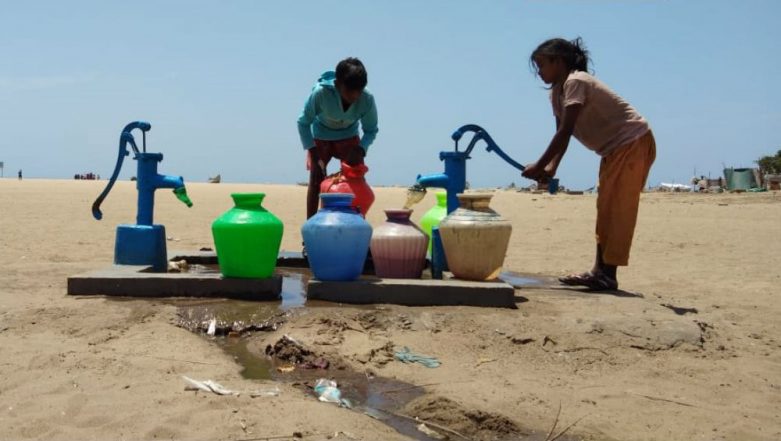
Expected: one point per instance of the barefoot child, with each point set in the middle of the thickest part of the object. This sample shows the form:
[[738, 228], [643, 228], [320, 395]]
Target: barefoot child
[[328, 125], [605, 123]]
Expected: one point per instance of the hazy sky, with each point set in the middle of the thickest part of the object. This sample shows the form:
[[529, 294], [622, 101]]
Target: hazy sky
[[222, 83]]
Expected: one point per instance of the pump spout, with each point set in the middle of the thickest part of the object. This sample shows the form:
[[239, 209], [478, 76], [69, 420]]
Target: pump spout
[[417, 191], [177, 183], [437, 180], [165, 181]]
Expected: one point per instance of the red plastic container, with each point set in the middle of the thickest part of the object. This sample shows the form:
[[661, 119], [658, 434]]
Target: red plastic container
[[351, 180]]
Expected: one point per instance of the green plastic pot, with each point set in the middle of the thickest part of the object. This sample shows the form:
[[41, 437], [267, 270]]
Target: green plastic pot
[[247, 238], [434, 216]]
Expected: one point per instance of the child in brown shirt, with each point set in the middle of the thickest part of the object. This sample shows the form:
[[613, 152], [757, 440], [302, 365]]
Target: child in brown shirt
[[605, 123]]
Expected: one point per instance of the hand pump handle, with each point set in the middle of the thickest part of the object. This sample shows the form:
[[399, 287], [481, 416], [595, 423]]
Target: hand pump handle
[[125, 138], [481, 134]]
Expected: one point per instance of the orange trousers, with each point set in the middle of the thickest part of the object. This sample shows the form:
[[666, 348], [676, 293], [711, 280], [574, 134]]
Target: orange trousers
[[622, 176]]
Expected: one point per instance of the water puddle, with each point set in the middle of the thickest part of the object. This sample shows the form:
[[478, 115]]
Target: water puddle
[[293, 289], [253, 367], [518, 280], [235, 321], [377, 397]]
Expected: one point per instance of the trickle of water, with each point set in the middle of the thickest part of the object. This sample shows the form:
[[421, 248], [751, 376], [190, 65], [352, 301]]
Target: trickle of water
[[415, 194], [521, 280]]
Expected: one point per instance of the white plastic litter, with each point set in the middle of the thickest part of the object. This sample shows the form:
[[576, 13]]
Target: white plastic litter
[[429, 432], [212, 327], [207, 386], [217, 388]]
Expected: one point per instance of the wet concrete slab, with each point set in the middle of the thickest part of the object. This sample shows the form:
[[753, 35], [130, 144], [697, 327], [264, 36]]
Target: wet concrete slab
[[201, 278], [414, 292], [138, 281]]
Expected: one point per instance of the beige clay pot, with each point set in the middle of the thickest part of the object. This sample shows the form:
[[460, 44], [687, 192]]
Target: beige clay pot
[[475, 238]]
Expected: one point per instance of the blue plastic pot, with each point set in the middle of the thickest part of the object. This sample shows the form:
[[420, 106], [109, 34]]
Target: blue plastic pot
[[336, 239]]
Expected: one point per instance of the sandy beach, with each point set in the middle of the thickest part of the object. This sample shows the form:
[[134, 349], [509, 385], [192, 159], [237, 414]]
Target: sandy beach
[[621, 367]]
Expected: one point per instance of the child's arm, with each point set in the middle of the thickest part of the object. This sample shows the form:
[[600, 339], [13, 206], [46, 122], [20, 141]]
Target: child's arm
[[553, 165], [369, 126], [557, 147], [305, 121]]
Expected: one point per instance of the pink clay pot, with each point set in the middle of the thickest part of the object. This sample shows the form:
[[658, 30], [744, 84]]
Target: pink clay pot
[[399, 247]]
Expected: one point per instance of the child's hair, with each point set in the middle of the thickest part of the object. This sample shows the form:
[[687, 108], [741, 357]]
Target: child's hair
[[351, 73], [573, 53]]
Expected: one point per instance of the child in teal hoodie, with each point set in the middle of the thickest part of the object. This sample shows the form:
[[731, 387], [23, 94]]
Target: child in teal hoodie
[[328, 125]]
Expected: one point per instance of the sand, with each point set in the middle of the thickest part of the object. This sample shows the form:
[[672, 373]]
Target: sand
[[623, 366]]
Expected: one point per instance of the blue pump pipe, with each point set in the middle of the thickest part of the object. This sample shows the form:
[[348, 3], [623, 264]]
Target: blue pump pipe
[[149, 181], [453, 180]]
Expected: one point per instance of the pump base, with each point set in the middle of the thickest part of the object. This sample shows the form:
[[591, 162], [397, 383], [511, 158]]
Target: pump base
[[141, 245]]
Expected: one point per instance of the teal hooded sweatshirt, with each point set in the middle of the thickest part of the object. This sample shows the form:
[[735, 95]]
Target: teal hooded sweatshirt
[[324, 118]]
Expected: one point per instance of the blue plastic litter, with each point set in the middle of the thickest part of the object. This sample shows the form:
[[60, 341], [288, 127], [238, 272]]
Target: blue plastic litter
[[407, 356], [327, 391]]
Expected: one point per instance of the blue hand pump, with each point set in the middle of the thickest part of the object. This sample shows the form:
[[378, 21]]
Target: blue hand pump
[[453, 180], [143, 243]]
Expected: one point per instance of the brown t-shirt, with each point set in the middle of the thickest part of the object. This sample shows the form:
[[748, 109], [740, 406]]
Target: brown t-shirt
[[606, 121]]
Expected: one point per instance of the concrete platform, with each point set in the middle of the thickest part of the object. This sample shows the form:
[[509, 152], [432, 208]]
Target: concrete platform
[[140, 281], [134, 281], [414, 292]]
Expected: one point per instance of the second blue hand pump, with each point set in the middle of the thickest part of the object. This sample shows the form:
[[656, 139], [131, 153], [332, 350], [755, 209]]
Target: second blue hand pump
[[453, 180]]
